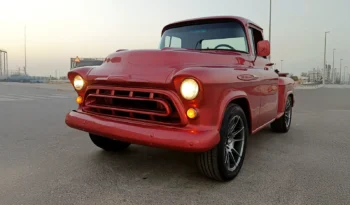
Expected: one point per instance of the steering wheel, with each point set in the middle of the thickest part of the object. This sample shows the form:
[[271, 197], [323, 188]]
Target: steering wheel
[[225, 45]]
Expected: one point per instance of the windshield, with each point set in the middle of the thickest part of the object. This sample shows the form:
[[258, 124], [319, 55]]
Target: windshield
[[217, 36]]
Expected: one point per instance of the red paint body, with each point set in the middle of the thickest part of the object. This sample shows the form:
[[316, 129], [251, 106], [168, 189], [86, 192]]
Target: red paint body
[[154, 77]]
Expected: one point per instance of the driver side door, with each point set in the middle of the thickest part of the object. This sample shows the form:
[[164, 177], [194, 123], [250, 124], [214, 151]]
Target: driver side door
[[269, 82]]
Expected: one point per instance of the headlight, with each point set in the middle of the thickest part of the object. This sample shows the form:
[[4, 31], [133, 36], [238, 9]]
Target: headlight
[[78, 82], [189, 89]]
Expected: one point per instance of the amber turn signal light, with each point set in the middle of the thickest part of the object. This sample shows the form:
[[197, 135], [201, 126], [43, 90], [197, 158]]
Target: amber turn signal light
[[192, 113], [79, 100]]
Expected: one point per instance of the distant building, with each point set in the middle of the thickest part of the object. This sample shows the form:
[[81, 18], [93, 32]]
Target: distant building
[[85, 62], [314, 75]]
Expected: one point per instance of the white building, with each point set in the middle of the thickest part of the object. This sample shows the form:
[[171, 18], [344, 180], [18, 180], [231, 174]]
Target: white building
[[315, 75]]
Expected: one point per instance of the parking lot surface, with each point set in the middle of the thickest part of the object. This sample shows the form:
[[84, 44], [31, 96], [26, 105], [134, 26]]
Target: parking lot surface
[[42, 161]]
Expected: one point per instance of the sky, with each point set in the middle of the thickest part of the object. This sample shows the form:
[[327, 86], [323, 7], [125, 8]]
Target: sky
[[59, 30]]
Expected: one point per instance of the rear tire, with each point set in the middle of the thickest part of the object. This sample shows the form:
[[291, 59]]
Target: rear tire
[[108, 144], [282, 124], [224, 161]]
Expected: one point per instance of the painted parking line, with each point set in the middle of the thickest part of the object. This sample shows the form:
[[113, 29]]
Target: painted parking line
[[15, 97], [5, 98]]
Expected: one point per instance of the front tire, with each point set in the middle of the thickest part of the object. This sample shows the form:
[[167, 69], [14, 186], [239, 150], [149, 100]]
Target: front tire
[[225, 160], [283, 123], [108, 144]]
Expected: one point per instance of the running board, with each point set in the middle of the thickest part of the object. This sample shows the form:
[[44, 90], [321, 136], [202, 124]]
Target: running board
[[263, 126]]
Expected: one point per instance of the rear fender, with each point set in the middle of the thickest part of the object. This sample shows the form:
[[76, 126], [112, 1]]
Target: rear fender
[[285, 89]]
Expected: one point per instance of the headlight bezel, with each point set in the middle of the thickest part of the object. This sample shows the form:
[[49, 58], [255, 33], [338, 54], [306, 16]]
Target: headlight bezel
[[192, 93], [78, 83]]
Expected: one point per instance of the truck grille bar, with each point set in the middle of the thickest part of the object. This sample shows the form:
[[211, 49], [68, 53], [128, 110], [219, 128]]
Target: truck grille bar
[[132, 103]]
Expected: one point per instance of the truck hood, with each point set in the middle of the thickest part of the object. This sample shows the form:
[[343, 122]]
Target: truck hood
[[158, 66]]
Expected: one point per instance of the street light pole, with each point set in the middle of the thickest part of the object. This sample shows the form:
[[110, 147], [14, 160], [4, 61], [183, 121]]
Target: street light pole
[[5, 53], [25, 50], [3, 62], [281, 64], [325, 53], [0, 62], [270, 27], [333, 67], [7, 65], [340, 71]]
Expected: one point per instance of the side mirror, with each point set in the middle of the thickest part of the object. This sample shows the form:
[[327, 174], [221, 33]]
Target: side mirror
[[263, 48]]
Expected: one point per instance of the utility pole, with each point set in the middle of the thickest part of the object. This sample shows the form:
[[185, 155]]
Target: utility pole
[[345, 67], [325, 53], [270, 27], [340, 71]]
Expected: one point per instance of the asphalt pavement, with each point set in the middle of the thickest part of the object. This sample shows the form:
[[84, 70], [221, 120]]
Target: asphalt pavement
[[42, 161]]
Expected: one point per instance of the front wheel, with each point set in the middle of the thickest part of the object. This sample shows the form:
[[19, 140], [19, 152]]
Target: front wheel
[[225, 160], [108, 144], [283, 123]]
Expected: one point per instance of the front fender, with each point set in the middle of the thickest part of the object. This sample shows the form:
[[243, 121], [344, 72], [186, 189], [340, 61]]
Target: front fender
[[214, 75], [83, 72]]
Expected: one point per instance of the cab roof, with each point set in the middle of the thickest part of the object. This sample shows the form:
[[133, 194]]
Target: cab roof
[[242, 20]]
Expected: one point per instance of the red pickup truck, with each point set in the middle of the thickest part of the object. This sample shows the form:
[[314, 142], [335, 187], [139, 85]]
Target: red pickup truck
[[207, 87]]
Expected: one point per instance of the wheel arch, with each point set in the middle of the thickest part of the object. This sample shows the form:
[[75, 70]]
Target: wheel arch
[[238, 98], [291, 94]]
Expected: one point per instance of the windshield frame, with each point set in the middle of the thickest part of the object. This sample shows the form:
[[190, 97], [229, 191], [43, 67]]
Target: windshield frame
[[208, 21]]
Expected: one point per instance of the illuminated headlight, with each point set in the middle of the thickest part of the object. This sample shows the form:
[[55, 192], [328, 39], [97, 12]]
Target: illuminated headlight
[[189, 89], [78, 82]]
